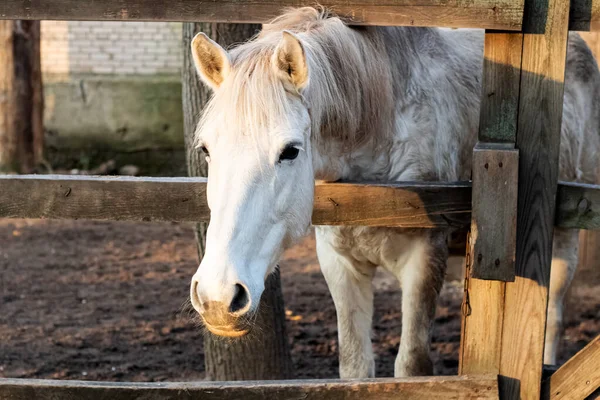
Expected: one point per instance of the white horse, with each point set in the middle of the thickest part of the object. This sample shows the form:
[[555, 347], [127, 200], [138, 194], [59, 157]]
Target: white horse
[[312, 98]]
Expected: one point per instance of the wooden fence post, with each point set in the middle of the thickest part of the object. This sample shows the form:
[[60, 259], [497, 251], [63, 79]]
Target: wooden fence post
[[545, 30], [494, 214], [504, 323]]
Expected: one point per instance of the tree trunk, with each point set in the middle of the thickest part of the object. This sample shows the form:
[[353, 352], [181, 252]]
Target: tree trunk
[[264, 353], [21, 97]]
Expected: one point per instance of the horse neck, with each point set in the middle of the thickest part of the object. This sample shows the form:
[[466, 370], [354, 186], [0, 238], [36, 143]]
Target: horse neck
[[357, 81]]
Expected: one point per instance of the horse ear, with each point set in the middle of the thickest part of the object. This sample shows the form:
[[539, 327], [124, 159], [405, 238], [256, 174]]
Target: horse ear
[[289, 58], [210, 59]]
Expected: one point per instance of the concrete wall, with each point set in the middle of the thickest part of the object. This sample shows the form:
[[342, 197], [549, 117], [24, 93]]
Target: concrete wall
[[113, 91], [91, 119]]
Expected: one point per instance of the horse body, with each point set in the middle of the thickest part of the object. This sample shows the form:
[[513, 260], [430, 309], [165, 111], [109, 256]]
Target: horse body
[[326, 101]]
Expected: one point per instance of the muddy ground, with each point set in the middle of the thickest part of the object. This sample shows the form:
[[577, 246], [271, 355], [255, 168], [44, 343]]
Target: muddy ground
[[104, 301]]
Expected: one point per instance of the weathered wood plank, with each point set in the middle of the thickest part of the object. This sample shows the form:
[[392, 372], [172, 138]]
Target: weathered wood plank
[[494, 205], [500, 87], [481, 336], [493, 14], [184, 199], [578, 206], [103, 198], [494, 222], [406, 204], [584, 15], [577, 378], [450, 387], [545, 28], [9, 143]]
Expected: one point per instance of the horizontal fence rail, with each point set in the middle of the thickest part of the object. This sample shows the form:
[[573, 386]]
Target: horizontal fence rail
[[578, 206], [450, 387], [489, 14], [407, 205], [184, 199]]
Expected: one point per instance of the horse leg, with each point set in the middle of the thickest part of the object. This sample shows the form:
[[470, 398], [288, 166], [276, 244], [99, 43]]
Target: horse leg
[[564, 263], [421, 279], [350, 285]]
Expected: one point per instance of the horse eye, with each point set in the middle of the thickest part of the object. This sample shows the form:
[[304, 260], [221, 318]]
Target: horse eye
[[205, 151], [289, 153]]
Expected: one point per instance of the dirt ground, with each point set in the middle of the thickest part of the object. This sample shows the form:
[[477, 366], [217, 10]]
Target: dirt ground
[[105, 301]]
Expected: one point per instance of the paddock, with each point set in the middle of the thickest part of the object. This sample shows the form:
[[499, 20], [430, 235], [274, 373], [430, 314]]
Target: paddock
[[511, 205]]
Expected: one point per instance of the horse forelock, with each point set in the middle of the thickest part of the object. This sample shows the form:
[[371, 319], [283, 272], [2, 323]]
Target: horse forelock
[[349, 93]]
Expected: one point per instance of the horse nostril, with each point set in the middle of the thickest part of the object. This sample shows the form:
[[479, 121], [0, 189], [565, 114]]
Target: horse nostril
[[240, 299], [195, 297]]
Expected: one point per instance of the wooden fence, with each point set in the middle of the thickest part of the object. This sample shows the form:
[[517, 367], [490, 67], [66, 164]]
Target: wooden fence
[[511, 206], [400, 204]]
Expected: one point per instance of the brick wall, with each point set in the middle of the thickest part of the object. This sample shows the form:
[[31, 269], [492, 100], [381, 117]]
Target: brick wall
[[120, 48]]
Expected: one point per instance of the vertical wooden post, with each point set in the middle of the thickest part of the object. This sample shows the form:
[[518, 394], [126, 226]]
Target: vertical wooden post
[[545, 29], [9, 146], [29, 95], [21, 97], [483, 308], [504, 328], [495, 161]]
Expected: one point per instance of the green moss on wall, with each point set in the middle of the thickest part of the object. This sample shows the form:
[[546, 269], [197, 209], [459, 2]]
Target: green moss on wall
[[90, 119]]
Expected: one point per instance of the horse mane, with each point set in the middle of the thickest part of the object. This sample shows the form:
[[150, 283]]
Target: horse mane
[[297, 20], [349, 94]]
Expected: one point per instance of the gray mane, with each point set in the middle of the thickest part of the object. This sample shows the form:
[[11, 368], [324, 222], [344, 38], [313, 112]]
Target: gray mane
[[402, 101]]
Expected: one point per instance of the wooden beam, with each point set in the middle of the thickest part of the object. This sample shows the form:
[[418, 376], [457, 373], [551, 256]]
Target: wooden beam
[[494, 220], [500, 87], [494, 216], [494, 14], [545, 29], [402, 204], [577, 378], [496, 161], [481, 333], [578, 206], [103, 198], [447, 387], [184, 199], [9, 140], [584, 15]]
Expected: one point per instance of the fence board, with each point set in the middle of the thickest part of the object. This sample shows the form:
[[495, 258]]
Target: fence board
[[500, 87], [103, 198], [493, 14], [463, 387], [584, 15], [577, 378], [489, 14], [425, 205], [545, 30], [495, 218], [578, 206], [494, 222], [184, 199], [411, 205]]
